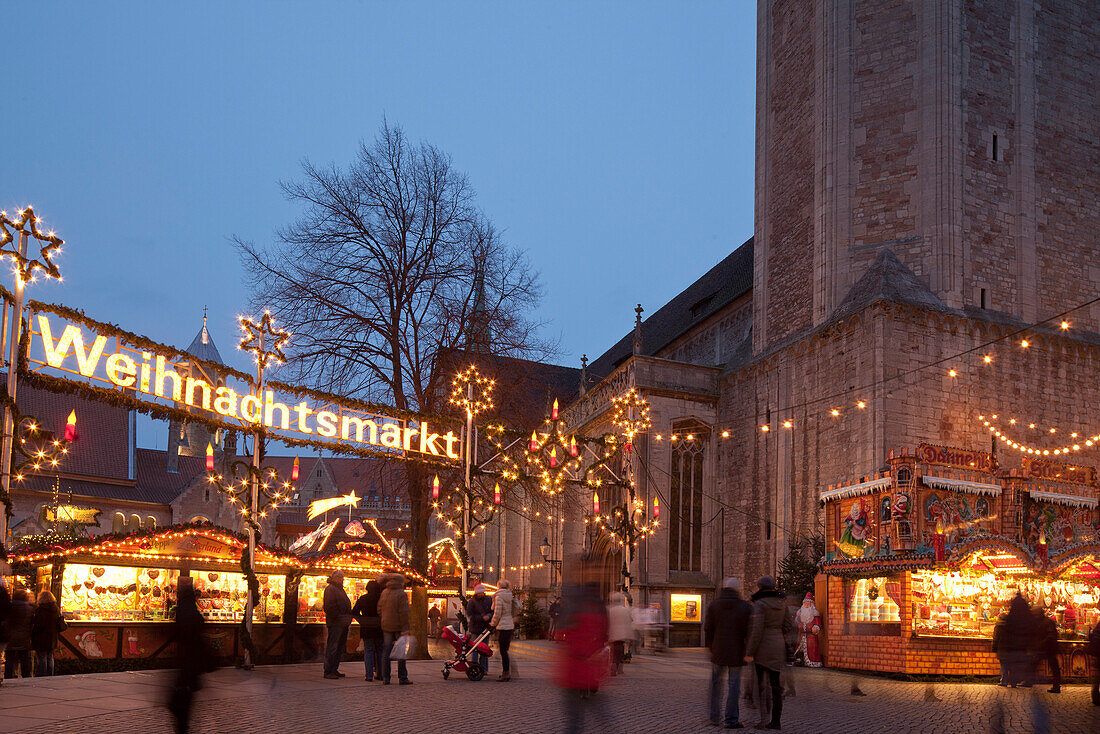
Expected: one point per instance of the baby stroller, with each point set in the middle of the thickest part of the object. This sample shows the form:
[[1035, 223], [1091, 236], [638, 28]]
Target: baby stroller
[[465, 646]]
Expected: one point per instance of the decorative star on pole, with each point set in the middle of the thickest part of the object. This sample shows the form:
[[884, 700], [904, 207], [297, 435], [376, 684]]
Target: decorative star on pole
[[266, 334], [48, 244]]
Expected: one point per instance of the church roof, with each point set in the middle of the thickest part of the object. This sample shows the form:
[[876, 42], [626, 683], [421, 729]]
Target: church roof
[[202, 346], [888, 279], [717, 288]]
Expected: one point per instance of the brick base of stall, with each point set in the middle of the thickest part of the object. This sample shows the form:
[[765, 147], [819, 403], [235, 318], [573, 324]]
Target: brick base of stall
[[882, 646]]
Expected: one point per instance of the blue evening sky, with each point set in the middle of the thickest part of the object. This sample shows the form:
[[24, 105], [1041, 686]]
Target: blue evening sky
[[612, 141]]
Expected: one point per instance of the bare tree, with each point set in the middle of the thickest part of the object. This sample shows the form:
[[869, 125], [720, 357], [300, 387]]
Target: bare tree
[[389, 268]]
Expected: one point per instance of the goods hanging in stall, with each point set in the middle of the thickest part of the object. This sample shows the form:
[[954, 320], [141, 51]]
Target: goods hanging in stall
[[923, 560], [117, 592]]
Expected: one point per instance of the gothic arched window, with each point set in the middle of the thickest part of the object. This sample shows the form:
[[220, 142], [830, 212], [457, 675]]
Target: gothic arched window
[[685, 535]]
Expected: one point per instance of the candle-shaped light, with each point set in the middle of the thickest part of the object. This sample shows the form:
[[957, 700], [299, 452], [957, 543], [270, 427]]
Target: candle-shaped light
[[534, 442], [656, 509], [435, 488], [554, 410], [595, 503], [294, 468], [70, 427], [209, 457], [496, 495], [573, 446], [553, 458]]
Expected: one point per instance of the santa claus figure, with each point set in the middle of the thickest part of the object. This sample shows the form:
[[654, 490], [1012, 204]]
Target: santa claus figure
[[809, 627]]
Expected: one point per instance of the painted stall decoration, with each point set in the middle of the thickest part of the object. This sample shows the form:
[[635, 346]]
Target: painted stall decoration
[[920, 563]]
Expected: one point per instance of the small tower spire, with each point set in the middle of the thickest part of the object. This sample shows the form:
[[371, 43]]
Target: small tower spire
[[584, 373], [638, 329]]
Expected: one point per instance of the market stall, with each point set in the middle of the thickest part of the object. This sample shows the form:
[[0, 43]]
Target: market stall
[[922, 560], [118, 593]]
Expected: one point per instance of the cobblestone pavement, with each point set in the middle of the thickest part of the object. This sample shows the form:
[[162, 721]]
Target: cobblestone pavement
[[657, 694]]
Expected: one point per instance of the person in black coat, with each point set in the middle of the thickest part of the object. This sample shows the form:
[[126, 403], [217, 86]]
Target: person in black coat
[[193, 653], [479, 612], [365, 612], [727, 630], [45, 624], [17, 628]]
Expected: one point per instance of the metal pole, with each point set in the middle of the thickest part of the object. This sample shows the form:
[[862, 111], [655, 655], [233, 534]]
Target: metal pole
[[9, 418], [254, 502], [466, 493]]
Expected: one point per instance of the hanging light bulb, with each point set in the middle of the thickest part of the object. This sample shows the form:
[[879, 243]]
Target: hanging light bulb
[[294, 469], [209, 457]]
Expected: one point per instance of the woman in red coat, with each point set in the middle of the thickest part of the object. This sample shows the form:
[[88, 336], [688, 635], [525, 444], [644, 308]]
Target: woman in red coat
[[582, 659]]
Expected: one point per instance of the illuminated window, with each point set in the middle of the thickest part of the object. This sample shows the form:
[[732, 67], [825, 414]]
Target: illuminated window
[[685, 538]]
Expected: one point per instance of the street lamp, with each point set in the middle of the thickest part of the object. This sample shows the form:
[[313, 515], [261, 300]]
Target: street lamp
[[544, 548]]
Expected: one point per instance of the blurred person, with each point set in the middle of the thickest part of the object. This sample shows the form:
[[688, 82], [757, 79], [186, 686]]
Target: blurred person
[[768, 647], [503, 621], [726, 629], [1092, 647], [620, 630], [5, 609], [555, 611], [17, 628], [194, 655], [433, 621], [1000, 651], [479, 612], [338, 617], [1047, 636], [46, 623], [1016, 639], [393, 608], [365, 612], [583, 629]]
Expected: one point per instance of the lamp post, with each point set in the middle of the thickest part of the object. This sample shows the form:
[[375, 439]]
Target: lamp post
[[24, 269], [474, 394], [544, 548]]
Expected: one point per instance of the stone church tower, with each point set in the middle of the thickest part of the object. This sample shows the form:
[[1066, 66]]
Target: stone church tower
[[191, 438], [959, 135], [926, 184]]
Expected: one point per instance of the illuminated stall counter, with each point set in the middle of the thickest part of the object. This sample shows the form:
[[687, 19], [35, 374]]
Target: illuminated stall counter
[[923, 560]]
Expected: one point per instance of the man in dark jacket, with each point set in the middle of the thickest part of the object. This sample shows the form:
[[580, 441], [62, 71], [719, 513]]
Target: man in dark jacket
[[727, 632], [337, 607], [767, 645], [479, 611], [17, 627], [366, 613]]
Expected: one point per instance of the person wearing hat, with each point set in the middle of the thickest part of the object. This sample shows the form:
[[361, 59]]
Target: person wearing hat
[[767, 634], [727, 629], [479, 612]]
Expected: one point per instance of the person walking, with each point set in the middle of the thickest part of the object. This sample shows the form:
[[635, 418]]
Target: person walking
[[726, 629], [479, 613], [365, 612], [433, 621], [620, 628], [338, 617], [1016, 638], [767, 645], [5, 609], [555, 612], [581, 666], [193, 653], [393, 609], [46, 623], [504, 623], [1047, 635], [18, 629]]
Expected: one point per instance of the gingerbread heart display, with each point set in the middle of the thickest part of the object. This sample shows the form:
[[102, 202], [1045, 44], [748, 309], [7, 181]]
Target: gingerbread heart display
[[99, 571]]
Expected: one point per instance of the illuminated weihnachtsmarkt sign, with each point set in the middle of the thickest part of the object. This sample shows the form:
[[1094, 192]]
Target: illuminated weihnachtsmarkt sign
[[98, 357]]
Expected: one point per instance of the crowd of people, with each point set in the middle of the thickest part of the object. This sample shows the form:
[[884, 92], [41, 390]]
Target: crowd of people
[[28, 626]]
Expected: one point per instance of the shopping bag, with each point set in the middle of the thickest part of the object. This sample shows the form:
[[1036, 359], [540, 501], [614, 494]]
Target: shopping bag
[[403, 648]]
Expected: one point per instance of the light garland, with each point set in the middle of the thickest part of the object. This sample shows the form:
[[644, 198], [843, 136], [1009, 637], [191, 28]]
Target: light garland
[[482, 391], [630, 414], [551, 455], [272, 348], [1079, 443]]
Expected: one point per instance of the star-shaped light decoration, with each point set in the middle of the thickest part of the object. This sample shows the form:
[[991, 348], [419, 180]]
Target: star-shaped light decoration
[[48, 244], [630, 414], [263, 339], [482, 399]]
